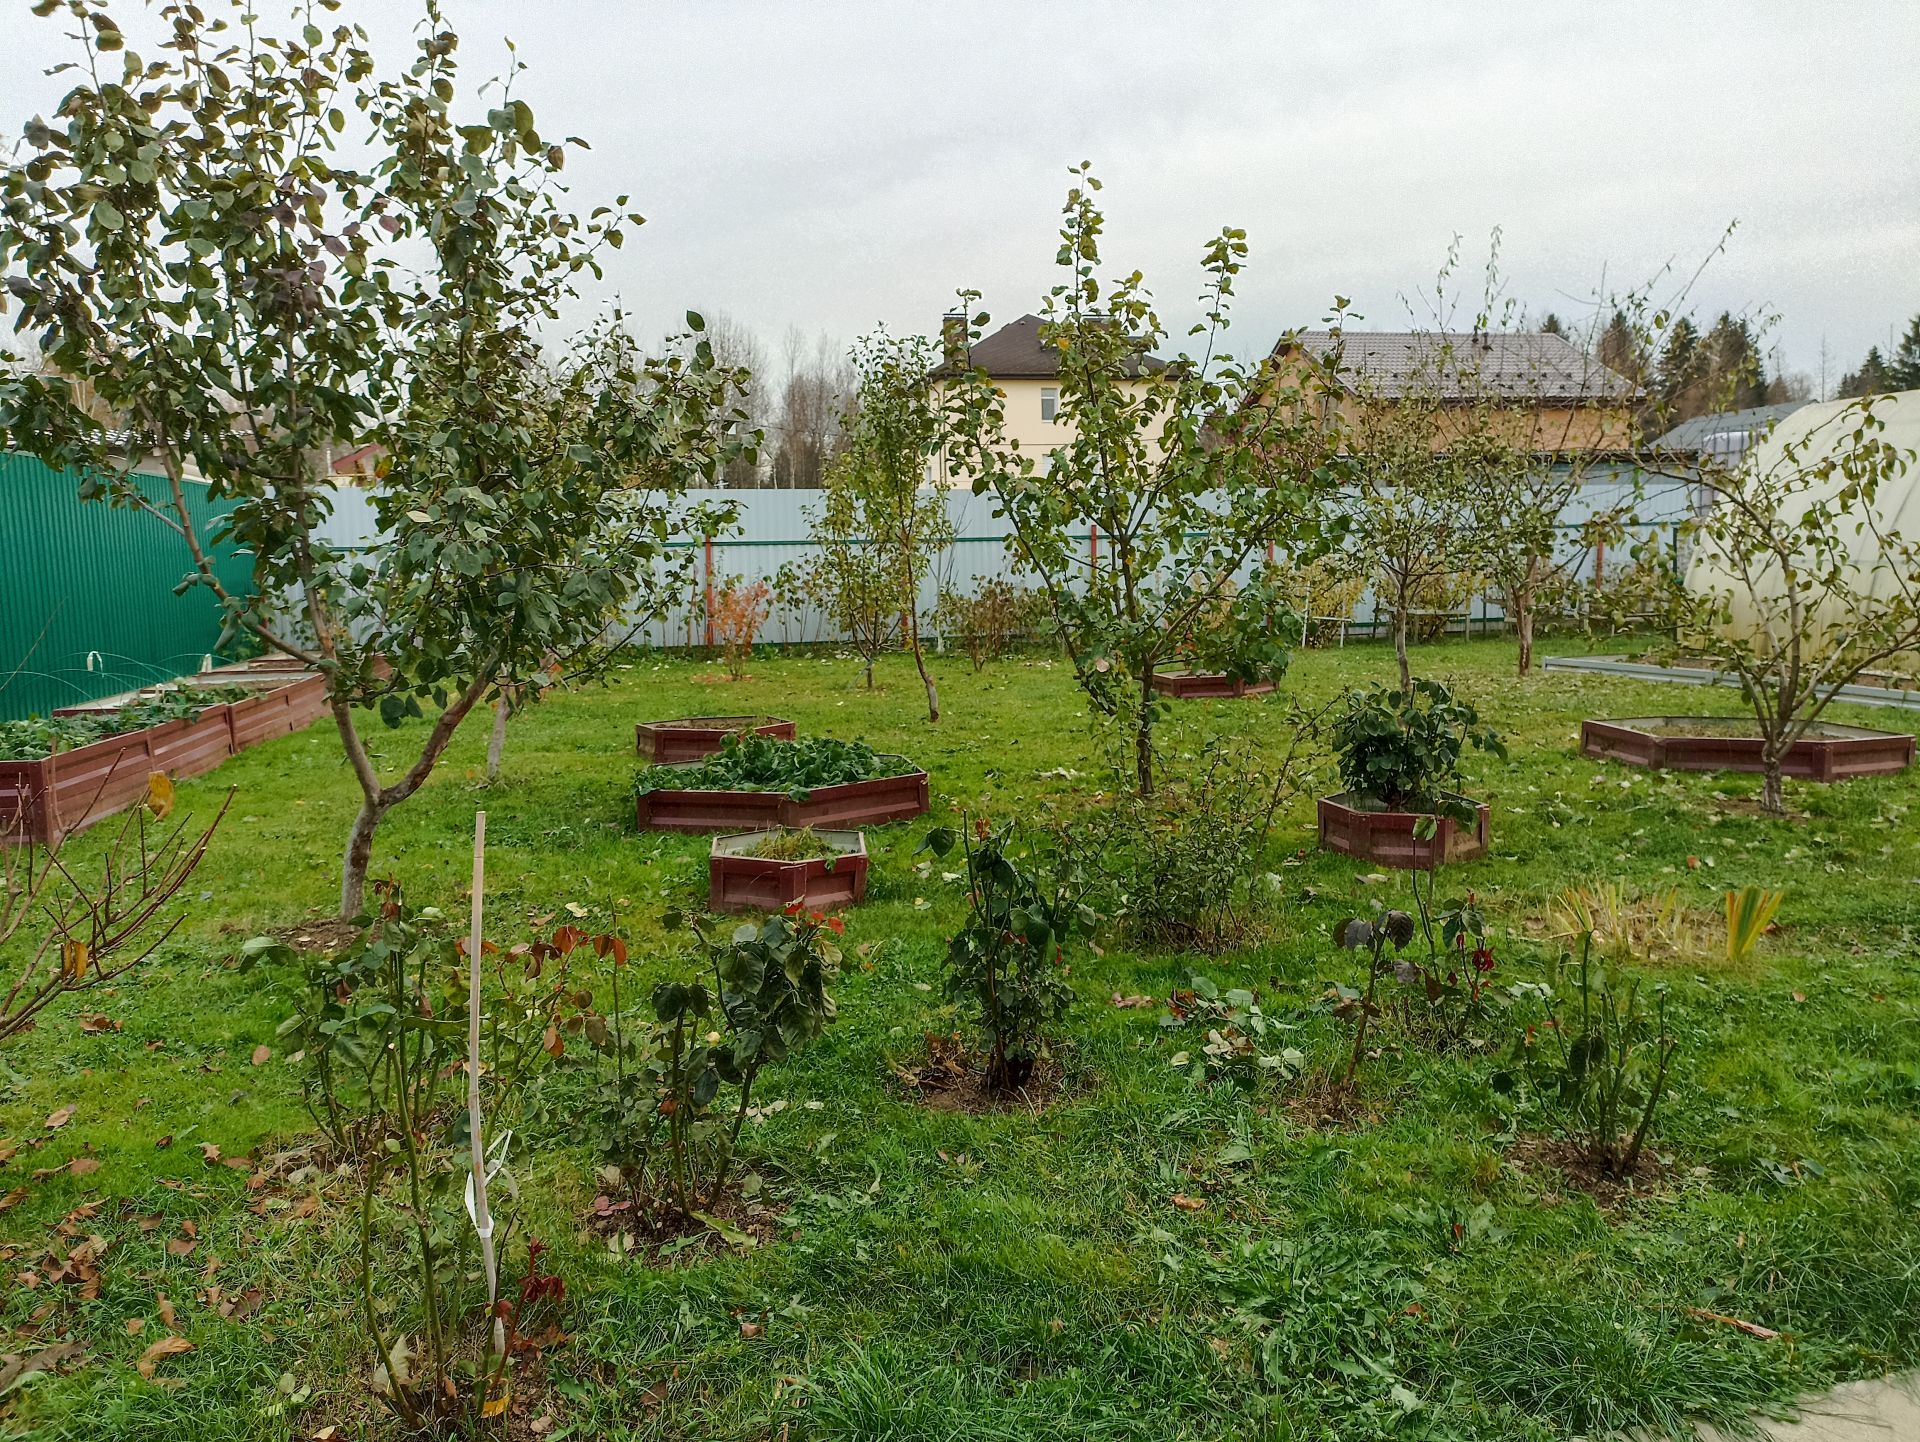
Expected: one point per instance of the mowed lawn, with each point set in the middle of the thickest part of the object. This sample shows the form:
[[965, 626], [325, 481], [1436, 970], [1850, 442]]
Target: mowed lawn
[[1028, 1274]]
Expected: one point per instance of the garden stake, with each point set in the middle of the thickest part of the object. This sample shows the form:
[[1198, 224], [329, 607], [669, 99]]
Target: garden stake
[[477, 1200]]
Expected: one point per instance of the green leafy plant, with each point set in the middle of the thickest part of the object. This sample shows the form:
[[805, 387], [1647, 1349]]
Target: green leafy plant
[[1750, 911], [383, 1031], [1402, 748], [748, 762], [40, 736], [992, 618], [1371, 936], [1240, 1043], [1446, 994], [1607, 1064], [674, 1087], [1186, 868], [1006, 965]]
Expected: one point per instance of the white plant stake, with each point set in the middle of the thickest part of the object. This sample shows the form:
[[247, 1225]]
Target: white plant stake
[[477, 1185]]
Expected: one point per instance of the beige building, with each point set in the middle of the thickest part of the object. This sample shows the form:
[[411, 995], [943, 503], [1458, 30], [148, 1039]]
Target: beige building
[[1026, 372], [1533, 385]]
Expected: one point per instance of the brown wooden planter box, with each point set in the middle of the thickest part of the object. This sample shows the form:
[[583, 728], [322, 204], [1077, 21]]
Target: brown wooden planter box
[[857, 803], [41, 801], [278, 711], [1828, 753], [1202, 685], [758, 883], [1387, 837], [692, 737]]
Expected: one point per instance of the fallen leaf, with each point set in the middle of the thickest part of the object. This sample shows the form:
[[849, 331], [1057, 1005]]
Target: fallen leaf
[[97, 1021], [58, 1119], [45, 1360], [209, 1153], [260, 1055], [135, 1325], [181, 1247], [164, 1305], [751, 1329], [1799, 996], [13, 1198], [83, 1166], [163, 1348], [1131, 1002], [1188, 1204]]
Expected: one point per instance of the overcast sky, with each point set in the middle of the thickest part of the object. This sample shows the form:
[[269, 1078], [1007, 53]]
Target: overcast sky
[[832, 165]]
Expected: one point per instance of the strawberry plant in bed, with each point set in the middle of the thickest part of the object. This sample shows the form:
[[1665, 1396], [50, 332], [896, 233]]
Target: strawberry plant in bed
[[754, 782]]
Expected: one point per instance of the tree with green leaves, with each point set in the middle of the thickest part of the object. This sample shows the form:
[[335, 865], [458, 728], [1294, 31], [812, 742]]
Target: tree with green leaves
[[1800, 581], [212, 289], [1191, 471], [890, 436]]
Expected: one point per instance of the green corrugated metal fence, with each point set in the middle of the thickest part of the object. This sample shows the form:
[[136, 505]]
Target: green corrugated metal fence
[[86, 592]]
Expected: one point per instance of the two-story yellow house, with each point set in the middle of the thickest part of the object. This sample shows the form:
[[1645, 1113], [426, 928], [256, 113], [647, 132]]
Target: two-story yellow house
[[1026, 372]]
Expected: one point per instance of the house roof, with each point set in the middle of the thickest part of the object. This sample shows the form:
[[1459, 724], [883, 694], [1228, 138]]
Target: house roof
[[1724, 431], [1015, 352], [1530, 365]]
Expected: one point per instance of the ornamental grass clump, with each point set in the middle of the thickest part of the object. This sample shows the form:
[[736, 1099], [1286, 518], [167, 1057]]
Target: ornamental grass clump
[[748, 762]]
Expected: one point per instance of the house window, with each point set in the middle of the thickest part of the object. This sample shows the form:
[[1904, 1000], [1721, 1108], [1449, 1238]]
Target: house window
[[1049, 401]]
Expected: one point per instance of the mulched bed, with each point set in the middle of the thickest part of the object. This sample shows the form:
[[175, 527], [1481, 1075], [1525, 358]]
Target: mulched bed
[[665, 1240], [1545, 1157], [321, 936], [950, 1082]]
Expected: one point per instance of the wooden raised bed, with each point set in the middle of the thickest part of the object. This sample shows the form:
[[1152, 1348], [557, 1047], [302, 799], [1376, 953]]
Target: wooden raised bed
[[1203, 685], [857, 803], [278, 710], [692, 737], [43, 800], [759, 883], [1827, 753], [1387, 837]]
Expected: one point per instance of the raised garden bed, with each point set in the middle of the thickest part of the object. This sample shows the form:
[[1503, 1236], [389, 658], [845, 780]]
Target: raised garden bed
[[850, 804], [1387, 838], [53, 796], [1204, 685], [692, 737], [43, 798], [737, 880], [1719, 743]]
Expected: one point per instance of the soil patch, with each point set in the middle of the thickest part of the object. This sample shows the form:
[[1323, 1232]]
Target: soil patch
[[321, 936], [952, 1081], [663, 1238], [1536, 1154], [1322, 1103]]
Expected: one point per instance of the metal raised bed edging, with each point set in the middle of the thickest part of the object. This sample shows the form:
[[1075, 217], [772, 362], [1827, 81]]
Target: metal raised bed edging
[[1700, 676]]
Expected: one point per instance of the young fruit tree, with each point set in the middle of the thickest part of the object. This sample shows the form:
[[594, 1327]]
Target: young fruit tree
[[889, 439], [1408, 510], [1188, 473], [217, 299], [1800, 580]]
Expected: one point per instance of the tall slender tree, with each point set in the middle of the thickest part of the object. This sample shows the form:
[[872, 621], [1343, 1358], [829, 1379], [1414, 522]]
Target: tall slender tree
[[191, 258]]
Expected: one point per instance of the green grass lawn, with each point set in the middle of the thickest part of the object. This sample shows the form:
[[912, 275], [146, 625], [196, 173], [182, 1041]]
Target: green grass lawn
[[1020, 1275]]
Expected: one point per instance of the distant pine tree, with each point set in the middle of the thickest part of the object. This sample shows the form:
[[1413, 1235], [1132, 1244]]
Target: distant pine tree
[[1873, 376], [1552, 326], [1903, 366]]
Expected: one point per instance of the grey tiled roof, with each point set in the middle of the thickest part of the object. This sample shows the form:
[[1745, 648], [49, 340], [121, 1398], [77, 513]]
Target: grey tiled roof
[[1529, 365], [1014, 352]]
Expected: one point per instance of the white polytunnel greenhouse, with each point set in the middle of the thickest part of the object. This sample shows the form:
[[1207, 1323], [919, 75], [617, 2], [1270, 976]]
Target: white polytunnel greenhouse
[[1802, 444]]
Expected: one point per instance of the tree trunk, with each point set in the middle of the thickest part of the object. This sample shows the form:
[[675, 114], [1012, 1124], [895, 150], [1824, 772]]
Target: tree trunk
[[1143, 734], [353, 871], [1523, 624], [920, 661], [1400, 648], [497, 743], [1772, 796]]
